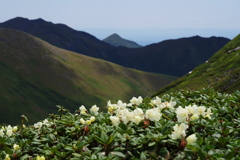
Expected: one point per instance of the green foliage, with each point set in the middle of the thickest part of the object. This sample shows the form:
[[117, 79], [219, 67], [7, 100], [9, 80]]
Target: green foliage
[[64, 136]]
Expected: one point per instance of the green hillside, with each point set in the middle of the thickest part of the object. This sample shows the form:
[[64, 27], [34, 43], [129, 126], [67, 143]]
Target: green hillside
[[36, 76], [221, 72]]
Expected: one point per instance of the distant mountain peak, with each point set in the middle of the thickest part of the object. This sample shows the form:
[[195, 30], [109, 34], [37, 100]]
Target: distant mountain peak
[[115, 35], [116, 40]]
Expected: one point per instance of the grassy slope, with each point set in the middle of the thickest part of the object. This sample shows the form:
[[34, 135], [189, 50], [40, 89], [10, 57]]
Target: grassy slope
[[221, 72], [36, 76]]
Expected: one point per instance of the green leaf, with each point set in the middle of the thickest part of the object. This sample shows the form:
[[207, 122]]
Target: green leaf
[[104, 136], [163, 152], [118, 154], [77, 155], [143, 156], [200, 141], [99, 140], [110, 140], [202, 155], [151, 144], [26, 156]]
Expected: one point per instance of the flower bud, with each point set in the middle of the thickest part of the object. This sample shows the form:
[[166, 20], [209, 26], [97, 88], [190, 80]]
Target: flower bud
[[15, 147], [92, 118], [194, 117], [88, 122], [191, 139], [82, 121]]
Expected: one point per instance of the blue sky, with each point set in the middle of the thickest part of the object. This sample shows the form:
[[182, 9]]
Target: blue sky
[[144, 21]]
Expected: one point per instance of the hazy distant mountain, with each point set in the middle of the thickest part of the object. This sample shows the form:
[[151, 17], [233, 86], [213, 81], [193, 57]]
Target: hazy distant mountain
[[172, 57], [36, 76], [221, 72], [117, 41]]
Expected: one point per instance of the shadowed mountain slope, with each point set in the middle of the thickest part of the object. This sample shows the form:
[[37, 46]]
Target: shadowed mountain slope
[[117, 41], [36, 76], [221, 72], [172, 57]]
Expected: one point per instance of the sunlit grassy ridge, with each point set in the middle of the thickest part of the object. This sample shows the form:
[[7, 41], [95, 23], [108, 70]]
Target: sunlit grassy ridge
[[221, 72], [36, 76]]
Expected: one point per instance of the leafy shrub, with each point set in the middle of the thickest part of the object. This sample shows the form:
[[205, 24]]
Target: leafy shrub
[[181, 125]]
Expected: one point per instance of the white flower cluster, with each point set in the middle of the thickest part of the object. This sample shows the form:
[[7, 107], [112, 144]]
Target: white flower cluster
[[192, 113], [40, 124], [160, 105], [89, 121], [120, 112], [93, 110], [9, 130], [179, 132]]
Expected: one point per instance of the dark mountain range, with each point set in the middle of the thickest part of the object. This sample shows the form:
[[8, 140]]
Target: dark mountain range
[[172, 57], [117, 41], [221, 72], [36, 76]]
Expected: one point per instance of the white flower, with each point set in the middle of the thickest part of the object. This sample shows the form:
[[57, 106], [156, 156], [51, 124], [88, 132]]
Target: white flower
[[195, 110], [182, 114], [136, 101], [138, 112], [111, 107], [38, 125], [191, 139], [190, 110], [153, 114], [121, 105], [208, 113], [157, 101], [94, 109], [125, 116], [82, 109], [1, 133], [171, 104], [201, 110], [179, 131], [15, 128], [9, 133], [45, 121], [137, 119], [92, 118], [115, 120], [15, 147], [9, 127], [82, 121]]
